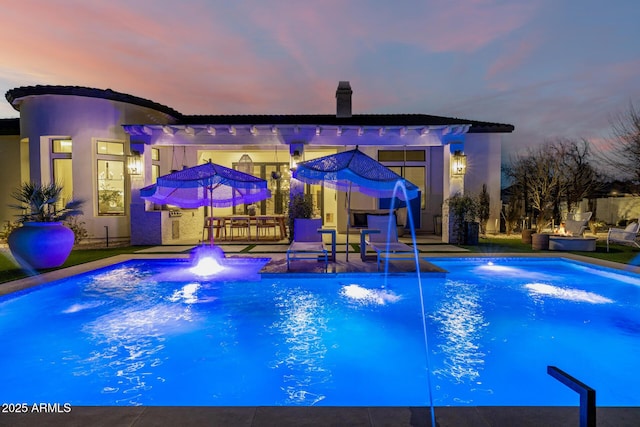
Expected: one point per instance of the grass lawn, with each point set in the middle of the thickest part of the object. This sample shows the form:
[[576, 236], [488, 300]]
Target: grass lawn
[[617, 253], [489, 245], [9, 271]]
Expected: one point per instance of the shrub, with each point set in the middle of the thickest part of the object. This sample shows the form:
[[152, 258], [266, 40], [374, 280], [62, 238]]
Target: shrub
[[39, 202]]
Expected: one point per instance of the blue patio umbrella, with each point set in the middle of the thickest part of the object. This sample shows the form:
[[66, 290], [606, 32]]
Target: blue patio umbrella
[[208, 184], [354, 171]]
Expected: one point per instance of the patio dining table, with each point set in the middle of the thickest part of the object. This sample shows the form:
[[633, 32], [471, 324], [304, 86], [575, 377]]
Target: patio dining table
[[252, 224]]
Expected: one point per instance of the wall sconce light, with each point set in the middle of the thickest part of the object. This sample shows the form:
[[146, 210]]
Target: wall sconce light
[[134, 163], [458, 163]]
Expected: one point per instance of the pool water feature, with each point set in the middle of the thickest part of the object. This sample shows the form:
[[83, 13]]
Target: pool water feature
[[209, 261], [135, 333]]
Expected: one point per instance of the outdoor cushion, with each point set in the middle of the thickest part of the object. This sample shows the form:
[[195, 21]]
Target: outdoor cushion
[[306, 230], [381, 222], [632, 227], [360, 220], [574, 227]]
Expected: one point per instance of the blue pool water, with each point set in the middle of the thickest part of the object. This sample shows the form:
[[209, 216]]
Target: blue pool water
[[144, 333]]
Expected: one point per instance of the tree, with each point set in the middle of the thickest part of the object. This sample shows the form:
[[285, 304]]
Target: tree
[[484, 209], [537, 172], [622, 155], [556, 173], [513, 207], [578, 178]]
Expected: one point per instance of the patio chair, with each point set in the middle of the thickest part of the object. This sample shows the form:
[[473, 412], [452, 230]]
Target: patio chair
[[214, 223], [626, 236], [577, 223], [307, 241], [242, 225], [264, 223], [377, 238]]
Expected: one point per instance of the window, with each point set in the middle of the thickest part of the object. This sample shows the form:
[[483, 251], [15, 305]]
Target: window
[[155, 164], [409, 164], [111, 163], [112, 148], [60, 146], [155, 173], [415, 175], [399, 155], [62, 169], [279, 200]]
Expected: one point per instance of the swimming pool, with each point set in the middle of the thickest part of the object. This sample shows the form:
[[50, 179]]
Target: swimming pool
[[136, 333]]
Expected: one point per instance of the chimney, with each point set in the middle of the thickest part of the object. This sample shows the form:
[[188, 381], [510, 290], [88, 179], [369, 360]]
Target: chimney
[[343, 99]]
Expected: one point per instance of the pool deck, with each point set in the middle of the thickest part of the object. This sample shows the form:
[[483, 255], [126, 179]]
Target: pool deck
[[314, 416]]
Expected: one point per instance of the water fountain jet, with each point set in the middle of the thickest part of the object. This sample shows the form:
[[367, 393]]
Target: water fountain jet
[[211, 263], [401, 187]]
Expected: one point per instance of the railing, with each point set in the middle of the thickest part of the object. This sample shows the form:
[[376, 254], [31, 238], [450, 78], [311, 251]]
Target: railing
[[587, 395]]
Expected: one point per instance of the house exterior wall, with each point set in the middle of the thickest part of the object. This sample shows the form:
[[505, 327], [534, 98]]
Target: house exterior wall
[[85, 120], [10, 175], [611, 210], [484, 167]]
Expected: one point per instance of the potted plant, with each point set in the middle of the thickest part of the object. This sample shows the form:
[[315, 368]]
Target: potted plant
[[300, 206], [463, 210], [42, 241]]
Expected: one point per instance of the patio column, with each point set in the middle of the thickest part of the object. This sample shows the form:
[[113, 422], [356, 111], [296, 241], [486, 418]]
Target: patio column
[[453, 184]]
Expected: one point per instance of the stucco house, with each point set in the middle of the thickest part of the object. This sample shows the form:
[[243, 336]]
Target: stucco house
[[103, 146]]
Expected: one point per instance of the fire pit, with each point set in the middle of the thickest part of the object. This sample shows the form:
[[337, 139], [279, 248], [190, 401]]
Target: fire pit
[[572, 243]]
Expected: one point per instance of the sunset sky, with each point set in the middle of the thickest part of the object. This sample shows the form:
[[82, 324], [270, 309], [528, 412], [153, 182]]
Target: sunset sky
[[552, 68]]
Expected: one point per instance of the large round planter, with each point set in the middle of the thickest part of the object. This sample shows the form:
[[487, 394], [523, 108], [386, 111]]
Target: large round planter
[[38, 245], [526, 235], [540, 242]]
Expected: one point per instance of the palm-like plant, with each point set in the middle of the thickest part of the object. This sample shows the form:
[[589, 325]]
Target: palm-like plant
[[38, 202]]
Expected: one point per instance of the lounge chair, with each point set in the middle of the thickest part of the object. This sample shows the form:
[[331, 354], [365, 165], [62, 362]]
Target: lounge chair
[[626, 236], [577, 223], [385, 242], [307, 241]]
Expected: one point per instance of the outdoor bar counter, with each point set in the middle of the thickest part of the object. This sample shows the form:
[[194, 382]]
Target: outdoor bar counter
[[166, 226]]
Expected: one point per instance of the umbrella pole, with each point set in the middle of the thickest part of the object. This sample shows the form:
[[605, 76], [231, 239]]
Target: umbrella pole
[[348, 218], [211, 242]]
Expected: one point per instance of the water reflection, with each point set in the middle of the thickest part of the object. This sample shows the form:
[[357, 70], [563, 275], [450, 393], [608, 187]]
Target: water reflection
[[460, 323], [367, 296], [302, 321], [127, 342], [540, 291]]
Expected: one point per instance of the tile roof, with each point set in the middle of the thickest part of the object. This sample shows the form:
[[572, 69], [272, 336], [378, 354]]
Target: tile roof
[[293, 119], [355, 120], [13, 95]]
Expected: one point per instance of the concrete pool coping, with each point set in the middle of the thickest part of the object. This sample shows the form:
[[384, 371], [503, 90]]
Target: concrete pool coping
[[317, 416], [460, 416]]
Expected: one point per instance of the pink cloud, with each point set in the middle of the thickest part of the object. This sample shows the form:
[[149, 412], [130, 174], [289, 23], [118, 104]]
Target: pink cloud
[[516, 55], [153, 51]]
